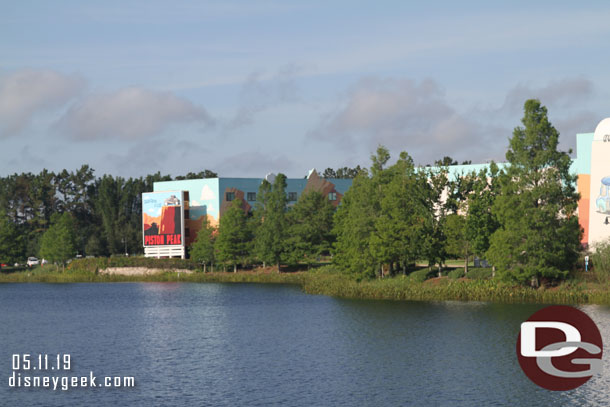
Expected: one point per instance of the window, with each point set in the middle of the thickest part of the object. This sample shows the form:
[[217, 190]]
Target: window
[[251, 196], [332, 196], [292, 196], [229, 196]]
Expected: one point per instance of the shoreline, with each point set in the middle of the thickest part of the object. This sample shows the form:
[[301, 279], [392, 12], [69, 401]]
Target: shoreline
[[399, 288]]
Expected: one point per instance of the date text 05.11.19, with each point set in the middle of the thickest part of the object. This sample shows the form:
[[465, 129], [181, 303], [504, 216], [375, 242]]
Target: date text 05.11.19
[[41, 361]]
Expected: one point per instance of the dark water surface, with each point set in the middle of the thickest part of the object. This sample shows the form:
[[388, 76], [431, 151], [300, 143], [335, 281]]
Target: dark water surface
[[259, 345]]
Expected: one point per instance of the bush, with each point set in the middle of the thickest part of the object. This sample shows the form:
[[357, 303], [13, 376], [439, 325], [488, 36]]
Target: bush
[[455, 274], [421, 275], [479, 274], [600, 260]]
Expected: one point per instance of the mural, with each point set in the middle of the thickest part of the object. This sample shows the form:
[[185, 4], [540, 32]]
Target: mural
[[599, 192], [238, 195], [323, 186], [602, 203], [163, 218]]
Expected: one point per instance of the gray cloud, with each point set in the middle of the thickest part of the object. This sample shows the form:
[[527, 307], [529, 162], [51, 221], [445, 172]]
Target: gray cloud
[[130, 113], [260, 92], [561, 97], [560, 93], [256, 164], [25, 93], [402, 115]]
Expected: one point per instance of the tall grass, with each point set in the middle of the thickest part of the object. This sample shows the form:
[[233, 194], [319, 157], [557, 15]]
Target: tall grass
[[329, 281], [404, 288], [601, 262]]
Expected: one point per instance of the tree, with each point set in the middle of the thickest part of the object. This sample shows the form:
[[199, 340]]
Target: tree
[[538, 234], [310, 225], [354, 222], [270, 212], [329, 173], [399, 224], [344, 172], [457, 243], [231, 243], [356, 217], [445, 162], [202, 250], [58, 242], [198, 175], [433, 243], [481, 221], [10, 241], [263, 236]]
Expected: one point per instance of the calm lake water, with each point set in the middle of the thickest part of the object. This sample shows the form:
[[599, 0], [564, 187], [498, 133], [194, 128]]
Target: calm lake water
[[260, 345]]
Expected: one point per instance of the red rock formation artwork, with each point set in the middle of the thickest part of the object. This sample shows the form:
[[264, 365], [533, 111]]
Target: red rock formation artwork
[[170, 220], [239, 195], [323, 186]]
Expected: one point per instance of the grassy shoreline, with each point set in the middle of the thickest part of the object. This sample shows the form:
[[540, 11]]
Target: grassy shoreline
[[326, 282]]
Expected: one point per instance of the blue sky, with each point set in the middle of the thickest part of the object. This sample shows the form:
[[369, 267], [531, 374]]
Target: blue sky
[[247, 88]]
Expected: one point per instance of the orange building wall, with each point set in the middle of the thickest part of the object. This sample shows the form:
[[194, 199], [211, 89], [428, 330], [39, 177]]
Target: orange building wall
[[584, 186]]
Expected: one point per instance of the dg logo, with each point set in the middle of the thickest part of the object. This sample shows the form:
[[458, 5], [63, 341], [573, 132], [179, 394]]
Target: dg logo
[[560, 348]]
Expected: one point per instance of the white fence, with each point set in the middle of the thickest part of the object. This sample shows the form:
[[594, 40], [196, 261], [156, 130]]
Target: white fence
[[164, 251]]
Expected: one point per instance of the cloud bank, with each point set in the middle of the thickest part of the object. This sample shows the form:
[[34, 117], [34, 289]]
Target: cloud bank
[[402, 115], [130, 113], [26, 93]]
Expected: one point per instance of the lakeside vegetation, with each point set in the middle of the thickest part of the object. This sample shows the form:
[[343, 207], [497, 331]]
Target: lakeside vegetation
[[582, 288]]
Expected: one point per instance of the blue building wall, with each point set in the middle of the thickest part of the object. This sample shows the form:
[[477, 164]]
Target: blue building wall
[[208, 197]]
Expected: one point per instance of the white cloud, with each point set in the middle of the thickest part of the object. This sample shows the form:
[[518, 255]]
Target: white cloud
[[25, 93], [402, 115], [154, 212], [207, 193], [130, 113]]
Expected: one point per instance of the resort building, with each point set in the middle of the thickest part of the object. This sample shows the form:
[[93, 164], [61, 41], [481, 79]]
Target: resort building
[[175, 210]]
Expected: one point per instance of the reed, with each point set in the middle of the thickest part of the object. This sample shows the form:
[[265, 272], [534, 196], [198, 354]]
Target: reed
[[328, 281]]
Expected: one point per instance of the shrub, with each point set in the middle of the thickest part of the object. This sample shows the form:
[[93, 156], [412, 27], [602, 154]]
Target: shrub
[[421, 275], [455, 274], [479, 274], [600, 260]]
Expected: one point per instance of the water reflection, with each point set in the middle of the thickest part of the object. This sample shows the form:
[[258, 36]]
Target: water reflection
[[215, 344]]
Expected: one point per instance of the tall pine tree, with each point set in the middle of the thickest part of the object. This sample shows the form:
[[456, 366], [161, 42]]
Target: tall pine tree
[[538, 234], [310, 225], [270, 233], [202, 250], [231, 243]]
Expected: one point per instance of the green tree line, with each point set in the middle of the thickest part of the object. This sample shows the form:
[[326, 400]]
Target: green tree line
[[105, 213], [521, 217]]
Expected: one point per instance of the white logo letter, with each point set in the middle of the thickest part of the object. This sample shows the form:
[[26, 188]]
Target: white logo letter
[[528, 338]]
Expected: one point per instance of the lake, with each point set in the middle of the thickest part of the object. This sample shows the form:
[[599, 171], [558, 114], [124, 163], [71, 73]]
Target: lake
[[260, 345]]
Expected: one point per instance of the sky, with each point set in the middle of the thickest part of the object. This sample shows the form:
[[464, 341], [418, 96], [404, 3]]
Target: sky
[[245, 88]]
